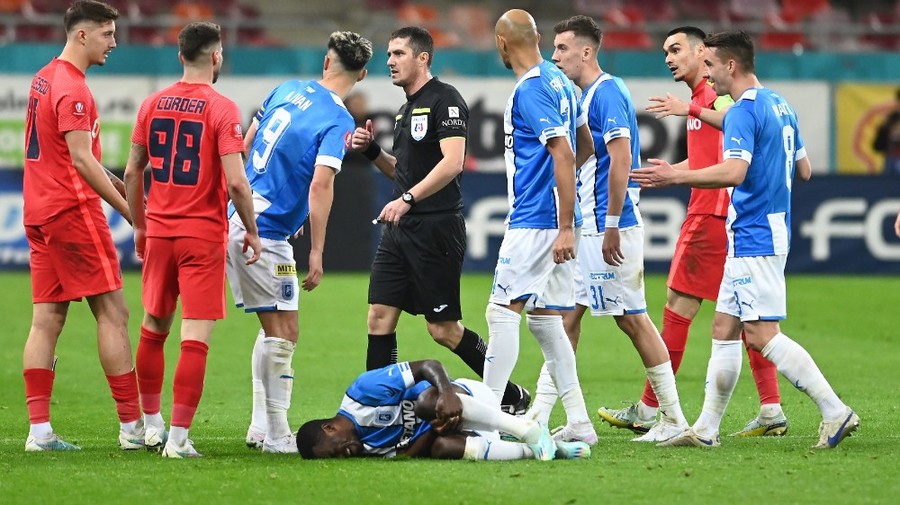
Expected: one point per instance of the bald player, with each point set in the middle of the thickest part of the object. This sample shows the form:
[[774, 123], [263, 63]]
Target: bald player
[[534, 269]]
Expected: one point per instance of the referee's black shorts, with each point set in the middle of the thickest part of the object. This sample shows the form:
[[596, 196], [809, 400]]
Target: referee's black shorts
[[418, 264]]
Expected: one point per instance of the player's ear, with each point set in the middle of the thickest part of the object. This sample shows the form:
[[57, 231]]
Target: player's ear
[[362, 74], [180, 58]]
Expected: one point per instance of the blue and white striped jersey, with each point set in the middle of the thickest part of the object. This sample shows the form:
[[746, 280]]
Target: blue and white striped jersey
[[610, 115], [543, 105], [301, 125], [381, 404], [761, 129]]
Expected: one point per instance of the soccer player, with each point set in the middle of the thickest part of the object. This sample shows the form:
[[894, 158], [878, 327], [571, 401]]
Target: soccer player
[[610, 261], [72, 252], [699, 260], [191, 137], [419, 260], [413, 409], [534, 269], [296, 145], [762, 149]]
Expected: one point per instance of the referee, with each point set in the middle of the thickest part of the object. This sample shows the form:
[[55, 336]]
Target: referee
[[419, 260]]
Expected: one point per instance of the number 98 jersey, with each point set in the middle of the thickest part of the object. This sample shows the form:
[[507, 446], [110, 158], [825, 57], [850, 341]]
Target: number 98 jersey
[[186, 129]]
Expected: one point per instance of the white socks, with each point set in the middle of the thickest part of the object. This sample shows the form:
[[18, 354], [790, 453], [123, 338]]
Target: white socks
[[662, 380], [544, 398], [41, 431], [278, 380], [178, 436], [721, 377], [560, 361], [479, 416], [258, 421], [481, 448], [797, 365], [503, 347]]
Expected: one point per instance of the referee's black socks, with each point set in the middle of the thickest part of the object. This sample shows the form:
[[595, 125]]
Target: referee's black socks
[[382, 351]]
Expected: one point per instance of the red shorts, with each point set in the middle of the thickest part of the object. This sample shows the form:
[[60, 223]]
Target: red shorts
[[191, 267], [699, 260], [73, 256]]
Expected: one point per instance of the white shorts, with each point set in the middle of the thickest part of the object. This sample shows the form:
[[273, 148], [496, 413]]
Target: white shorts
[[269, 284], [609, 290], [526, 271], [753, 288]]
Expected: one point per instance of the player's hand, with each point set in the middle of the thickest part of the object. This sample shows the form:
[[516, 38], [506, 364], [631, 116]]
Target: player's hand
[[659, 175], [298, 234], [393, 211], [448, 410], [362, 137], [564, 246], [140, 243], [668, 105], [612, 249], [252, 241], [314, 276]]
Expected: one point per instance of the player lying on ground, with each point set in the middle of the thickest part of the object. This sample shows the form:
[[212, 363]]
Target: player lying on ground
[[413, 409]]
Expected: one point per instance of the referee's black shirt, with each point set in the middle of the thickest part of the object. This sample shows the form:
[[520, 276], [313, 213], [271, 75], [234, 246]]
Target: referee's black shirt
[[435, 112]]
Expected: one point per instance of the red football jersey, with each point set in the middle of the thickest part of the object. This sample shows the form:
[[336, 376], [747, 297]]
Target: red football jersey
[[704, 148], [186, 129], [59, 102]]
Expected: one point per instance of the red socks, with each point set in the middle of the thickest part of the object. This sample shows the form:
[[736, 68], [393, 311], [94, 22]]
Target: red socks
[[150, 363], [675, 335], [125, 392], [189, 374], [765, 375], [38, 386]]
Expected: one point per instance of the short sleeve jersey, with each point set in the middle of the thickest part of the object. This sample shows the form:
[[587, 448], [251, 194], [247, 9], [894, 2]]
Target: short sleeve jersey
[[186, 129], [59, 102], [761, 129], [301, 125], [543, 105], [381, 404], [704, 149], [433, 113], [611, 115]]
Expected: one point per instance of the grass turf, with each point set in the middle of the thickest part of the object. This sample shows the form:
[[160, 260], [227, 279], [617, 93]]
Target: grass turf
[[845, 323]]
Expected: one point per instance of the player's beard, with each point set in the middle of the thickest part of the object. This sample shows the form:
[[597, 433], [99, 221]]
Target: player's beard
[[215, 76]]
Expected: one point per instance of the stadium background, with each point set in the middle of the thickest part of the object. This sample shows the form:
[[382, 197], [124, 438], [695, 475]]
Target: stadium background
[[836, 61]]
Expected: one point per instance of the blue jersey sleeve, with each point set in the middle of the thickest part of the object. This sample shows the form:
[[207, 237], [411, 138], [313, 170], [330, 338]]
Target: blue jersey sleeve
[[738, 134], [376, 387], [266, 103], [541, 110], [335, 142], [609, 114]]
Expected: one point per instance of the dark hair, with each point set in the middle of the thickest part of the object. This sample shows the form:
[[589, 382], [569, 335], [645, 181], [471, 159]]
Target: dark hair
[[88, 10], [352, 49], [419, 40], [693, 33], [309, 436], [197, 37], [581, 26], [734, 45]]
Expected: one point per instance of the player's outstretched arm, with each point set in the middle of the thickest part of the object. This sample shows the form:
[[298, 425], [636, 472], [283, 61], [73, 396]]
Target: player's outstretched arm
[[134, 194], [240, 194], [93, 173], [321, 196], [671, 105], [660, 174], [564, 173]]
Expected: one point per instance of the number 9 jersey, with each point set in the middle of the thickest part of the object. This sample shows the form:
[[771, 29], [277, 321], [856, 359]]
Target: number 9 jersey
[[186, 129]]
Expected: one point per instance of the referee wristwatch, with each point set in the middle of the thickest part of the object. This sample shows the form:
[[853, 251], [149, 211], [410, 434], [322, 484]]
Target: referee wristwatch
[[408, 199]]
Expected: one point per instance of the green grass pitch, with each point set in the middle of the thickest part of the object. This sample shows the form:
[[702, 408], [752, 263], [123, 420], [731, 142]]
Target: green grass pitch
[[847, 323]]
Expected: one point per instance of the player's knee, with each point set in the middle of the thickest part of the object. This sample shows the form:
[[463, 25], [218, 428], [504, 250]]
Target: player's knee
[[380, 321], [446, 333], [446, 448]]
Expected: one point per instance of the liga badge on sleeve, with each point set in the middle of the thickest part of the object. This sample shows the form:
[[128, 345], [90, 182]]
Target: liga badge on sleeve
[[419, 126]]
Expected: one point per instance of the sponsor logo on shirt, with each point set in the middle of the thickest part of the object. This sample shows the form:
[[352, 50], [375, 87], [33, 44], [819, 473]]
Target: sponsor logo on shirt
[[458, 123], [238, 131], [285, 270], [95, 130], [79, 109], [453, 111], [347, 139]]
